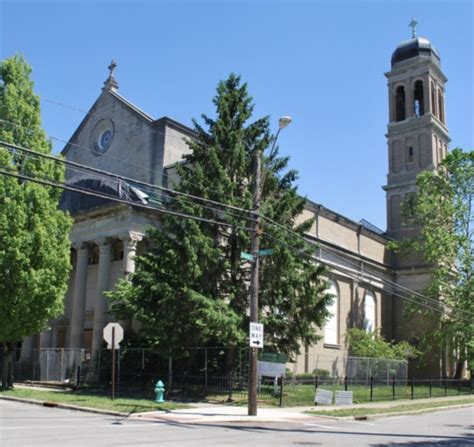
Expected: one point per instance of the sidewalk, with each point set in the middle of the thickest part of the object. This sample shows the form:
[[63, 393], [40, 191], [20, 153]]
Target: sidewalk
[[210, 413]]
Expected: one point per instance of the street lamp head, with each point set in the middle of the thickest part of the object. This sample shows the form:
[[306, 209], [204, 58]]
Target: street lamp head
[[284, 121]]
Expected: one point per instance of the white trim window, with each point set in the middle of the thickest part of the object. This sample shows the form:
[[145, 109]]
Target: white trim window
[[369, 312], [331, 328]]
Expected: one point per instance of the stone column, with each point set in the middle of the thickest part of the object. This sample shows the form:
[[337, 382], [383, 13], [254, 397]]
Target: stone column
[[103, 284], [76, 338], [409, 112], [130, 241]]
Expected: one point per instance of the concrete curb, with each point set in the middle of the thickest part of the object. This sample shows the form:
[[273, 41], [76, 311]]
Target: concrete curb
[[299, 417], [45, 403], [398, 413]]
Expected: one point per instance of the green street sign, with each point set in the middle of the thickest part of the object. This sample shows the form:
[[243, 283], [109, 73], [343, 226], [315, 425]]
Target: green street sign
[[247, 256], [273, 357], [266, 252]]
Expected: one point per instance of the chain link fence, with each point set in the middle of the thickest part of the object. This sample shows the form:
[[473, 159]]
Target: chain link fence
[[198, 366], [355, 368]]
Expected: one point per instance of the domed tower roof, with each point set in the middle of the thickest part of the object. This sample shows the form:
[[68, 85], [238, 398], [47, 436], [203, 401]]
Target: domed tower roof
[[416, 46]]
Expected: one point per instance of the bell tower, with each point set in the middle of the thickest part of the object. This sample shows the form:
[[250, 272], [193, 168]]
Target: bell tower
[[417, 134], [417, 139]]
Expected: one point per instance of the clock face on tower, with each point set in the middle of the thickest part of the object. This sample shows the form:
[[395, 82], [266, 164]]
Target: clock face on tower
[[102, 136]]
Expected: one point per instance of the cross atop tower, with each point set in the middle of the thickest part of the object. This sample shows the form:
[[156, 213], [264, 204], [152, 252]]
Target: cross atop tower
[[413, 24]]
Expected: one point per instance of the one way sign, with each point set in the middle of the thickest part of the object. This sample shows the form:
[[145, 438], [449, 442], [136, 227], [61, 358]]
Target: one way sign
[[256, 335]]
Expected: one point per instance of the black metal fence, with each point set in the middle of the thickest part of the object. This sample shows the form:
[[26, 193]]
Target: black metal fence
[[215, 374]]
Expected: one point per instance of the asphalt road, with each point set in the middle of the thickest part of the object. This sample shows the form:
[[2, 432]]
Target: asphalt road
[[31, 425]]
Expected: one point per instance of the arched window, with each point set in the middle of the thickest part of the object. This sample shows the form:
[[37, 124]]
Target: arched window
[[440, 106], [331, 328], [400, 103], [410, 155], [418, 103], [433, 99], [440, 150], [369, 312]]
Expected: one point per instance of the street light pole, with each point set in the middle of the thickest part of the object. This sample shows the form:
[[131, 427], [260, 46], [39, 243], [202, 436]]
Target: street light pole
[[254, 283]]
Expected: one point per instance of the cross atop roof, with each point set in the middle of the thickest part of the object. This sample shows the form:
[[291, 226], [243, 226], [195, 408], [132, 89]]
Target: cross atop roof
[[413, 24], [112, 67], [111, 83]]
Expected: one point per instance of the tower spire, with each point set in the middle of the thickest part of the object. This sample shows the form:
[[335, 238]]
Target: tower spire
[[111, 83]]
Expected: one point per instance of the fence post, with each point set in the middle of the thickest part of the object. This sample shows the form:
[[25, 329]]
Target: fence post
[[205, 369], [412, 387], [230, 386], [316, 380], [99, 353], [47, 365], [470, 381], [281, 391], [393, 387], [170, 373], [445, 387], [459, 386], [371, 388], [345, 383], [431, 385], [143, 370], [62, 365], [78, 379]]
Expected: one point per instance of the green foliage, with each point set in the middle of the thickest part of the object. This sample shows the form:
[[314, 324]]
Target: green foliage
[[370, 344], [34, 245], [443, 210], [192, 287]]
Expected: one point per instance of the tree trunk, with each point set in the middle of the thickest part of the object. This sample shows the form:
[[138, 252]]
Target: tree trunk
[[459, 369], [7, 371]]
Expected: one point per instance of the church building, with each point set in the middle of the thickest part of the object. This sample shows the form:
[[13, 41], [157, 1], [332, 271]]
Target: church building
[[119, 137]]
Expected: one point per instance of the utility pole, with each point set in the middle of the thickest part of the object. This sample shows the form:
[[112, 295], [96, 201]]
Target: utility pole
[[255, 249], [252, 397]]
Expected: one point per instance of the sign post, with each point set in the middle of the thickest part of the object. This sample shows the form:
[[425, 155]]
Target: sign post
[[113, 363], [113, 335]]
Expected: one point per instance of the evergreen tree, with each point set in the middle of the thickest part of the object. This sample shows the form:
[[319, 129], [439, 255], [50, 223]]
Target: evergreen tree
[[192, 287], [34, 245]]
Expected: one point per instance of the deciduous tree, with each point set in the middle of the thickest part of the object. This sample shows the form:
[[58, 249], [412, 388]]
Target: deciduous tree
[[443, 210], [34, 246]]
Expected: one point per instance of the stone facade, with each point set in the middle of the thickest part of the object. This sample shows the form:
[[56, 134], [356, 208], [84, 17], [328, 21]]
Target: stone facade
[[118, 137]]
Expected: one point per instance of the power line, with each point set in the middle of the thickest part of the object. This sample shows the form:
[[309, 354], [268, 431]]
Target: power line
[[133, 165], [48, 182], [64, 186], [356, 278], [272, 222], [170, 191], [193, 197], [357, 266]]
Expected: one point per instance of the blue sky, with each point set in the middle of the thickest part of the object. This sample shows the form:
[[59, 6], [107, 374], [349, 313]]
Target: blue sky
[[322, 62]]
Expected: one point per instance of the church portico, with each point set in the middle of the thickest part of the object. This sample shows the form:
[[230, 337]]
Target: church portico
[[100, 262]]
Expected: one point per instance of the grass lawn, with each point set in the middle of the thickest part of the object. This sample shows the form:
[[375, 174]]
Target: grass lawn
[[85, 398], [395, 409]]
